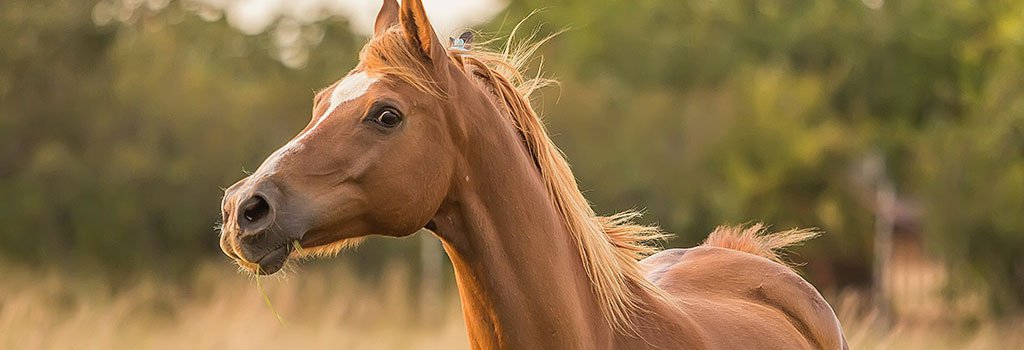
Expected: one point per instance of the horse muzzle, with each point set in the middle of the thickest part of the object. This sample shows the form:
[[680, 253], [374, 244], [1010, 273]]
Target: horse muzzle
[[252, 233]]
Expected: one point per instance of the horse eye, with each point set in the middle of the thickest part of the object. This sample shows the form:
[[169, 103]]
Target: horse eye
[[388, 118]]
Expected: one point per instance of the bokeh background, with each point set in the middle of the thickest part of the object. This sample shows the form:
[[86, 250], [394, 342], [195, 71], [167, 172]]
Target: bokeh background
[[896, 127]]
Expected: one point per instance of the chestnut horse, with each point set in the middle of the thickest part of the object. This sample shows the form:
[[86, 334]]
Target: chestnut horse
[[423, 134]]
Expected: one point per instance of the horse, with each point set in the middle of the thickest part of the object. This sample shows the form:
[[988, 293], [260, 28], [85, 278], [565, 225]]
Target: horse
[[425, 134]]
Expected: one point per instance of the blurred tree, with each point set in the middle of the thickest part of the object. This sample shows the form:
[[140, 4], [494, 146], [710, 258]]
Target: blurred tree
[[121, 121], [117, 138], [730, 111]]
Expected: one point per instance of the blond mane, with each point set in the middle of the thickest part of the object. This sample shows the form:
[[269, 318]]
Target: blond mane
[[755, 239], [610, 246]]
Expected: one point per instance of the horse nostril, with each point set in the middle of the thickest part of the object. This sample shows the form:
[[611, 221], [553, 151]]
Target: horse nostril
[[256, 209], [254, 214]]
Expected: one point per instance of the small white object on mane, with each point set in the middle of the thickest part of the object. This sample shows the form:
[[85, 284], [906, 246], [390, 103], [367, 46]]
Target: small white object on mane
[[351, 87]]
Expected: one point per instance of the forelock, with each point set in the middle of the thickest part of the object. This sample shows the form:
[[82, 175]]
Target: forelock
[[390, 55]]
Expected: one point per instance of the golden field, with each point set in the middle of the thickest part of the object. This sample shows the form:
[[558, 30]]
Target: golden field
[[325, 307]]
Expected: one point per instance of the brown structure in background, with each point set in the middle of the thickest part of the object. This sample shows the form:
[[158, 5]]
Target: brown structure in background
[[907, 281]]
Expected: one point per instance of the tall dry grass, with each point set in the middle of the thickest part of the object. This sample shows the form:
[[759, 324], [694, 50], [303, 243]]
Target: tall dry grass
[[867, 328], [328, 308], [221, 309]]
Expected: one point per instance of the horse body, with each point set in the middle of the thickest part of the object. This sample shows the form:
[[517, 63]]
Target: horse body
[[523, 286], [422, 136], [742, 299]]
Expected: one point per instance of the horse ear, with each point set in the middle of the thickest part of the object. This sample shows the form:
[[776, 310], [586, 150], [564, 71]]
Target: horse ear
[[387, 17], [419, 32]]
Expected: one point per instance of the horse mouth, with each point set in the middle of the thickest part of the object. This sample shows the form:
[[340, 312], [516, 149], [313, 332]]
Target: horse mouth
[[271, 262]]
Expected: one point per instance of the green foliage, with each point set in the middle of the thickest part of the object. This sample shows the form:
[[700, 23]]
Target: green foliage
[[733, 111], [116, 139]]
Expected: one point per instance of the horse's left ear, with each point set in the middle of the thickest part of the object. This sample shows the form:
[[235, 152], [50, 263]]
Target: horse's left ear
[[387, 17], [418, 31]]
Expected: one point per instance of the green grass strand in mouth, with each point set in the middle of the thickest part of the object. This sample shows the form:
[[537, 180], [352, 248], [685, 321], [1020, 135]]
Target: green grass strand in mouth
[[266, 298]]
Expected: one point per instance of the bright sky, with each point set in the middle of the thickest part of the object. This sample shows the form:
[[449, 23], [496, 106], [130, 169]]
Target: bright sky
[[447, 16]]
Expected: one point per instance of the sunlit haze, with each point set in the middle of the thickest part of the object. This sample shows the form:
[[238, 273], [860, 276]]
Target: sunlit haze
[[254, 16]]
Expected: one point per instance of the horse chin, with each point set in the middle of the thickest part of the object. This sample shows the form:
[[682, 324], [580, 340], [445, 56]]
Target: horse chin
[[277, 259], [313, 249]]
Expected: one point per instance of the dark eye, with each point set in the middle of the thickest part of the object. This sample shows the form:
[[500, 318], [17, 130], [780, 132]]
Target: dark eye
[[388, 118]]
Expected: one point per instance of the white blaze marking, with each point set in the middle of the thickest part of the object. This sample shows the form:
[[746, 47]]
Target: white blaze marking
[[350, 88]]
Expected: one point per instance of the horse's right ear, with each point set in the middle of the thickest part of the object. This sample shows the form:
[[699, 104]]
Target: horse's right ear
[[387, 17]]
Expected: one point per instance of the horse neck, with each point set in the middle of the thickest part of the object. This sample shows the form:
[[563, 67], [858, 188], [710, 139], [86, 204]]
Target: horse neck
[[520, 277]]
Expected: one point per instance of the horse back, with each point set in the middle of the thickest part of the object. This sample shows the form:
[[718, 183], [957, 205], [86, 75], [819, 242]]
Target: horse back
[[745, 299]]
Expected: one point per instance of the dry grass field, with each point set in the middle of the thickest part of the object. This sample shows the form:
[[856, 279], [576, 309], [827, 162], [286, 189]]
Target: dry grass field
[[323, 308]]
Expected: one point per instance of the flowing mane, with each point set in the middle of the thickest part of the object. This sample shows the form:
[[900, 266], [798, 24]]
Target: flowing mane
[[610, 246]]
